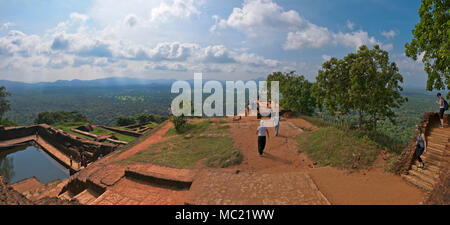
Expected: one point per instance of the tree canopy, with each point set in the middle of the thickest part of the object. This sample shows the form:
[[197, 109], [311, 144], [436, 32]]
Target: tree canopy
[[365, 82], [295, 92], [60, 117], [431, 42], [4, 103]]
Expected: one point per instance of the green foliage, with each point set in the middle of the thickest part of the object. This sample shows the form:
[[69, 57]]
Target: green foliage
[[60, 117], [4, 103], [191, 147], [144, 118], [295, 92], [98, 104], [179, 122], [125, 120], [7, 122], [364, 81], [334, 147], [431, 41]]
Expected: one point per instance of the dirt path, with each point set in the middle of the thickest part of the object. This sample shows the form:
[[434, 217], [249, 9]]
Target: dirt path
[[155, 138], [374, 187], [280, 155], [371, 187]]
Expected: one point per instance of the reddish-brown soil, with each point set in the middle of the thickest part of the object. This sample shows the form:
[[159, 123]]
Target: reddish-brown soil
[[340, 187], [155, 138], [373, 187], [280, 155]]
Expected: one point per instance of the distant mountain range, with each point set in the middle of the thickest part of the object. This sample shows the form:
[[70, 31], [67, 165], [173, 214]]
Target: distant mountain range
[[103, 82]]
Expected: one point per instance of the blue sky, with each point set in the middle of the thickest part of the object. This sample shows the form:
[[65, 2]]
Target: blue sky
[[54, 40]]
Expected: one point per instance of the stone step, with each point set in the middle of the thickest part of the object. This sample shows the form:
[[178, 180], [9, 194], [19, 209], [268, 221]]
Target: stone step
[[440, 139], [429, 179], [439, 134], [108, 198], [432, 157], [66, 196], [429, 162], [426, 170], [434, 150], [438, 146], [431, 167], [417, 182], [87, 196]]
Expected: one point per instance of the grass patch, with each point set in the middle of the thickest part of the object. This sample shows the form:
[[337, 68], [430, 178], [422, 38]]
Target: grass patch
[[329, 146], [102, 131], [192, 145], [138, 140], [317, 121], [384, 141], [67, 127]]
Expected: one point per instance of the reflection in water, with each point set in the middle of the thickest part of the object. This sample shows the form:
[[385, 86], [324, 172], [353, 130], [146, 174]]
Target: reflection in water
[[26, 161], [6, 167]]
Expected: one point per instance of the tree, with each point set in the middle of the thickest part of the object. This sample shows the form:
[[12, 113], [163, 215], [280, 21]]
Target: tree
[[4, 103], [125, 120], [60, 117], [144, 118], [364, 81], [179, 122], [431, 42], [331, 87], [295, 92]]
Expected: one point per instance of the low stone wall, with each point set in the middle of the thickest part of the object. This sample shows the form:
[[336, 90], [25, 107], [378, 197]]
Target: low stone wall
[[73, 145], [66, 143], [406, 158], [8, 133], [122, 131]]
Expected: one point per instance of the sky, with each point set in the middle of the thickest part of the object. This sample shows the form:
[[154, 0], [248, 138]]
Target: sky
[[52, 40]]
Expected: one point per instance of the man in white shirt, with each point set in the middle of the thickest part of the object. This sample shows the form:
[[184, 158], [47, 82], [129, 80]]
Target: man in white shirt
[[262, 131]]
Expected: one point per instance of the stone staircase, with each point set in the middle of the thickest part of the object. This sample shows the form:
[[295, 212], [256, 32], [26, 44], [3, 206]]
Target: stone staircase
[[438, 144], [135, 185]]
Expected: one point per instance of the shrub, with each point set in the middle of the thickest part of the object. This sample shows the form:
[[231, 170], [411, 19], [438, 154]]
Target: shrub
[[125, 120], [179, 122]]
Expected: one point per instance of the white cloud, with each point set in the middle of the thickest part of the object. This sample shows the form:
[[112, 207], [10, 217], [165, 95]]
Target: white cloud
[[316, 37], [178, 9], [389, 34], [78, 17], [6, 26], [311, 37], [17, 43], [262, 18], [350, 25], [354, 39], [255, 60], [257, 16], [131, 20]]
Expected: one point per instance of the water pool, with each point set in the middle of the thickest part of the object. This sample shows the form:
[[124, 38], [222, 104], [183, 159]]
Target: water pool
[[23, 162]]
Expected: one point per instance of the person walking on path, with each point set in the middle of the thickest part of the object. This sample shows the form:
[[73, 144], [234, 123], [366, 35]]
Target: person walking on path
[[421, 146], [262, 132], [443, 105], [70, 160], [276, 123]]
